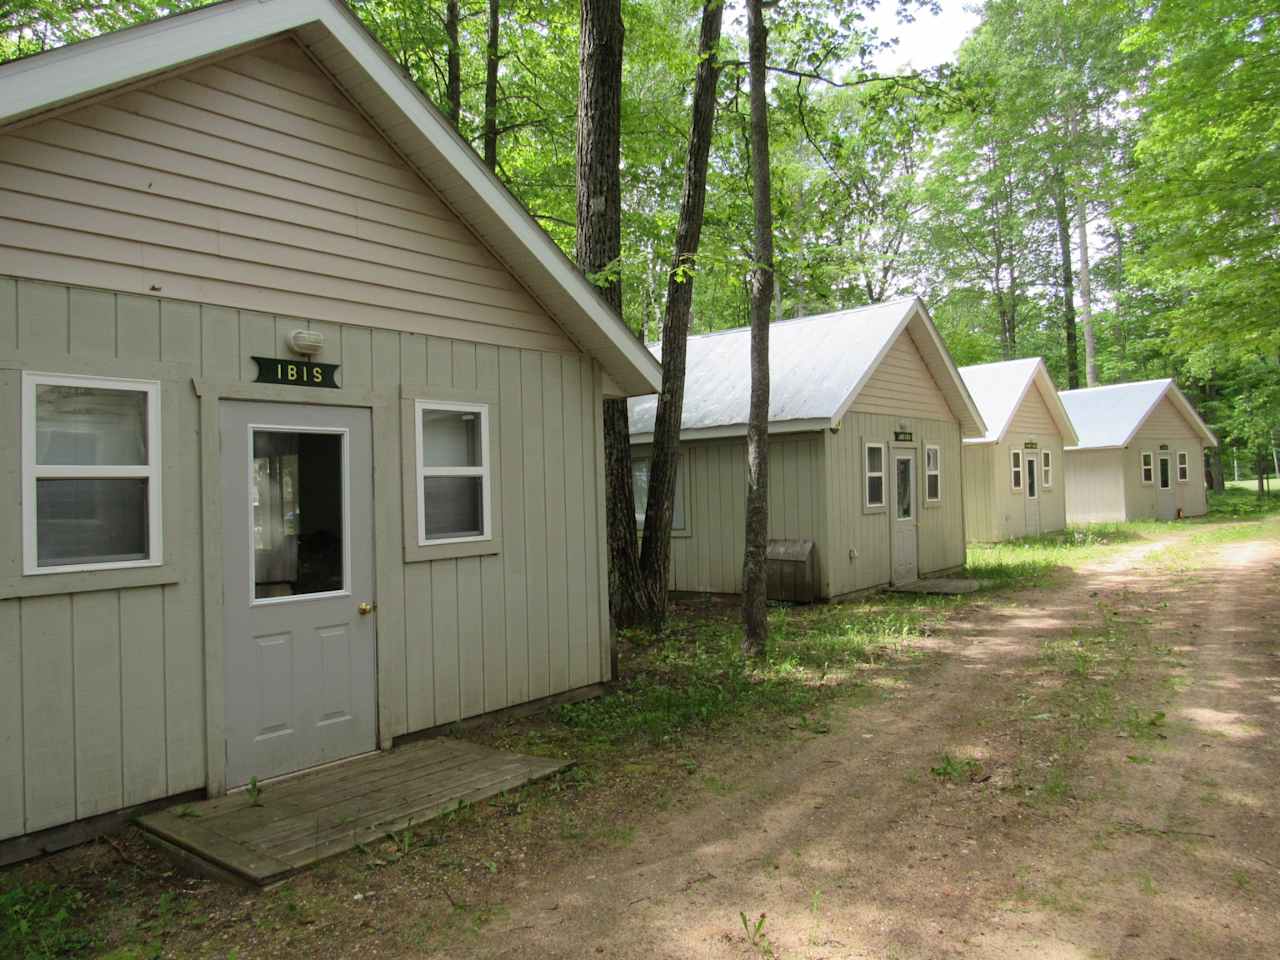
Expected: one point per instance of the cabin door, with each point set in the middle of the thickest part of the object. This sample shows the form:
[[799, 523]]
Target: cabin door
[[1166, 508], [905, 564], [299, 662], [1032, 505]]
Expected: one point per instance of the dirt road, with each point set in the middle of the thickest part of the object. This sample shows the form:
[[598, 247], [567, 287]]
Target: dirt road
[[1154, 837]]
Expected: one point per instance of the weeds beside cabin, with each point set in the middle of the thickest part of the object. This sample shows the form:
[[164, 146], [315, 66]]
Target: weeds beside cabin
[[302, 440], [1014, 481], [1140, 455], [866, 417]]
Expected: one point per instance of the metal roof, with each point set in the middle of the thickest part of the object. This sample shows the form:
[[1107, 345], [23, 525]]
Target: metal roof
[[1000, 388], [817, 365], [366, 73], [1108, 417]]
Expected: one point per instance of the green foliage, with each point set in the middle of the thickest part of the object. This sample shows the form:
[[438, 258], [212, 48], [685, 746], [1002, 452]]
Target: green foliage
[[42, 921], [956, 769]]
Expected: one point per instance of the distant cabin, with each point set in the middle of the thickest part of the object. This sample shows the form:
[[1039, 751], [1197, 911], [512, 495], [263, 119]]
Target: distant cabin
[[1140, 455], [302, 446], [866, 417], [1014, 485]]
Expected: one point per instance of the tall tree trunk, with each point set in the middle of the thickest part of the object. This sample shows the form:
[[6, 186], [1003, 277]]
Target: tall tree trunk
[[655, 557], [1086, 295], [1068, 293], [755, 618], [453, 71], [598, 247], [491, 90]]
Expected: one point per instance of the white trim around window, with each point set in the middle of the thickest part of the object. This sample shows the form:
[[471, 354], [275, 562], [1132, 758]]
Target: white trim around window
[[1046, 469], [481, 470], [1015, 469], [932, 472], [1148, 473], [33, 472], [1184, 467], [868, 475]]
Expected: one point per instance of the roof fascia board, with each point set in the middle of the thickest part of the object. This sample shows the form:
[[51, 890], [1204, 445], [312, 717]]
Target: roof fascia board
[[352, 34], [1057, 409], [918, 311]]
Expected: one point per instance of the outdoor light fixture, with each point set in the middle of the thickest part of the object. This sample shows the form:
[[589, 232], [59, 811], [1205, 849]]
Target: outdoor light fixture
[[306, 342]]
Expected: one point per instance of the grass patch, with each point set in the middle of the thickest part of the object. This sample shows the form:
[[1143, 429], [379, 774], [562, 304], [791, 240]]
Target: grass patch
[[1031, 561], [42, 921]]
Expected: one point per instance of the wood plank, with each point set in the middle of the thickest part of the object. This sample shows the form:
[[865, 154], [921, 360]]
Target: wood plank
[[581, 668], [419, 647], [184, 732], [444, 648], [514, 560], [143, 688], [95, 631], [138, 327], [219, 343], [92, 319], [357, 359], [48, 712], [593, 561], [439, 362], [180, 333], [470, 637], [12, 786], [558, 550], [43, 319], [257, 339], [535, 522], [391, 623], [8, 314]]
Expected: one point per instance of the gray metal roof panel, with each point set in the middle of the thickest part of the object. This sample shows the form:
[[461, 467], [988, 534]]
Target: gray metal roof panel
[[997, 389], [814, 364], [1109, 416]]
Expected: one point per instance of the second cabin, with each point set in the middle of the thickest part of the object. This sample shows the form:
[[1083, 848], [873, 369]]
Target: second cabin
[[1014, 485], [866, 417]]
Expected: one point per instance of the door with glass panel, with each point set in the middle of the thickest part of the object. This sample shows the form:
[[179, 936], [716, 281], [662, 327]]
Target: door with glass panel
[[1032, 504], [905, 563], [297, 506], [1166, 508]]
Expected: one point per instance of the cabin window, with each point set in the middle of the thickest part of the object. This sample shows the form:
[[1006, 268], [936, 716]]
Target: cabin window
[[1184, 470], [1015, 469], [932, 474], [1148, 468], [873, 462], [91, 473], [453, 472], [1046, 469], [640, 487]]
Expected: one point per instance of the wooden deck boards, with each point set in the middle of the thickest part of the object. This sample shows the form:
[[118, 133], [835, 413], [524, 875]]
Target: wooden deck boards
[[325, 812]]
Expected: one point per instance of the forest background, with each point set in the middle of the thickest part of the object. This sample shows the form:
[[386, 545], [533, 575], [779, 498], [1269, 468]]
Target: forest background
[[1100, 164]]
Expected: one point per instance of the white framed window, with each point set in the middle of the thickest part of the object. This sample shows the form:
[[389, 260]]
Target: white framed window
[[932, 474], [90, 473], [1015, 469], [873, 473], [1148, 468], [454, 484], [1046, 469], [1184, 469], [640, 488]]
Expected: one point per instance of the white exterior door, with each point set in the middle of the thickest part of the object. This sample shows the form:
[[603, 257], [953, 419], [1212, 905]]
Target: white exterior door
[[1032, 504], [903, 483], [299, 655], [1166, 507]]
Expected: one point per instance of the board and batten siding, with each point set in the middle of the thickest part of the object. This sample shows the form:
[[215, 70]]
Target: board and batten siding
[[993, 509], [102, 691], [707, 558], [860, 539], [252, 182], [1166, 426], [1095, 486]]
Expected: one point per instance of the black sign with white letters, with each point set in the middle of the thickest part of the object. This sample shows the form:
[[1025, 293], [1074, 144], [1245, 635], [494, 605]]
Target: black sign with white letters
[[296, 373]]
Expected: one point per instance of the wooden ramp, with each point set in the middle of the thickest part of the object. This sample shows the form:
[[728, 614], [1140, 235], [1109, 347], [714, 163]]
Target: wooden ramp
[[303, 819]]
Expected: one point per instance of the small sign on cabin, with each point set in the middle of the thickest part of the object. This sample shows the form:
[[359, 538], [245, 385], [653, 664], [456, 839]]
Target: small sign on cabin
[[296, 373], [902, 436], [1031, 445]]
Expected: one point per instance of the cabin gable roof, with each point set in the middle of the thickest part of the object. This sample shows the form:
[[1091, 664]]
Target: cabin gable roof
[[1001, 388], [1108, 418]]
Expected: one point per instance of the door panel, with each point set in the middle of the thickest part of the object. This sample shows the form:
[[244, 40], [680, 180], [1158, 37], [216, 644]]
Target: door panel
[[297, 563], [903, 517], [1032, 504], [1166, 507]]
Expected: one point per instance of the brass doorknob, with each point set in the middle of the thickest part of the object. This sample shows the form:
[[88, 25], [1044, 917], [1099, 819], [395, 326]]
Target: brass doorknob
[[366, 608]]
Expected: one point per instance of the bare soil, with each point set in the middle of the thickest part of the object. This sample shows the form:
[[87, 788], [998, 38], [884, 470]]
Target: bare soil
[[1071, 834]]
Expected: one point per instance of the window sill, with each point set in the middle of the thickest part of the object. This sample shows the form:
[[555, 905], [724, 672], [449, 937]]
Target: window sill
[[871, 510], [424, 553], [54, 584]]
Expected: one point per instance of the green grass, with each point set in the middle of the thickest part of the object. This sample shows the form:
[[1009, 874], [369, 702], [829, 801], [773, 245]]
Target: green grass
[[1031, 561], [41, 921]]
